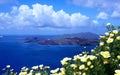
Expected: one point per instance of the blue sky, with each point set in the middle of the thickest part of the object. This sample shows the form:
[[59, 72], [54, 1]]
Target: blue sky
[[51, 17]]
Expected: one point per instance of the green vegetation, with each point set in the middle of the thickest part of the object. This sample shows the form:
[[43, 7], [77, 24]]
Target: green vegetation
[[103, 60]]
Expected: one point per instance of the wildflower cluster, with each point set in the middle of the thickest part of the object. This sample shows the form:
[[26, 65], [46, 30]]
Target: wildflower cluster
[[35, 70], [102, 60], [79, 65], [8, 71], [108, 50]]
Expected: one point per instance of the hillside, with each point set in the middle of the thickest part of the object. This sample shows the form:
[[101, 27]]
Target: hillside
[[71, 39], [85, 35]]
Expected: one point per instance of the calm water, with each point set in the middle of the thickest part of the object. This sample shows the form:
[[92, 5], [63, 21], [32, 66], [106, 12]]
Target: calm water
[[15, 52]]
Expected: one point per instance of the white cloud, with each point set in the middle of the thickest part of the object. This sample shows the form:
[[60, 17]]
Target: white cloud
[[95, 22], [78, 19], [115, 14], [40, 16], [102, 15], [107, 6]]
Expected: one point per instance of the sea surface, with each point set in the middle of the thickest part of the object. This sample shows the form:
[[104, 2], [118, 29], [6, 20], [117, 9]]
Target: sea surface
[[15, 52]]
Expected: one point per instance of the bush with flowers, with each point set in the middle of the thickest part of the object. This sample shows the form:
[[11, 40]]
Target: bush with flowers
[[102, 60]]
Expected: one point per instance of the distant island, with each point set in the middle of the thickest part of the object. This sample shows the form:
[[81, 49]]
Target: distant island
[[67, 39]]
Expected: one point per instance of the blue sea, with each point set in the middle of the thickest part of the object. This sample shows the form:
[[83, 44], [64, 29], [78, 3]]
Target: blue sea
[[15, 52]]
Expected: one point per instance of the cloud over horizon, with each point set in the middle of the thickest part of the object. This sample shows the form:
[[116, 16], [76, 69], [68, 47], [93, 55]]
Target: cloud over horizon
[[41, 16], [76, 15]]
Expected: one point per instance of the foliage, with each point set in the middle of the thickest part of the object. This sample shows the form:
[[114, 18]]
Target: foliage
[[103, 59]]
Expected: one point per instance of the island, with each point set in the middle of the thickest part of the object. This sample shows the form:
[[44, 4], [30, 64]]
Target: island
[[61, 41], [64, 40]]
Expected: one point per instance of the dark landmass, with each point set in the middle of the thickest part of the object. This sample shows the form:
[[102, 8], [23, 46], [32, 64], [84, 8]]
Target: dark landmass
[[66, 40], [85, 35]]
